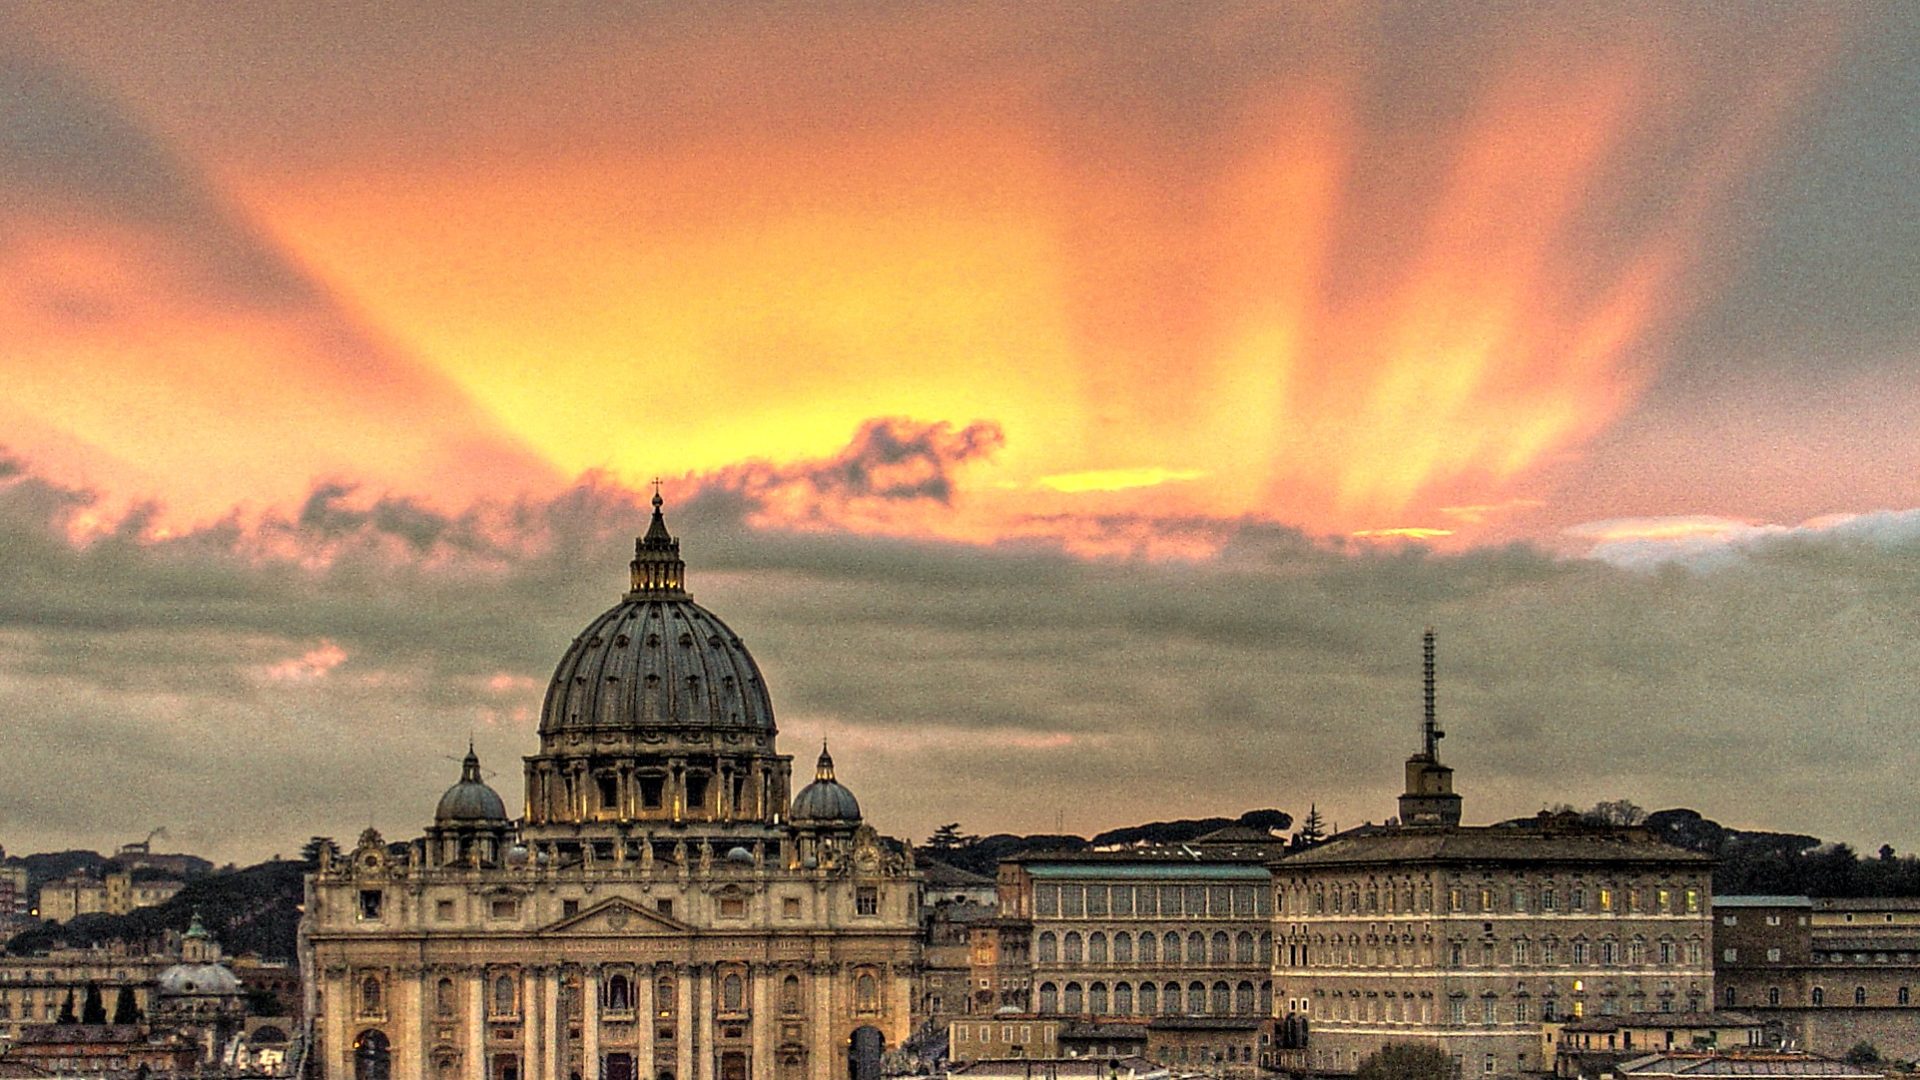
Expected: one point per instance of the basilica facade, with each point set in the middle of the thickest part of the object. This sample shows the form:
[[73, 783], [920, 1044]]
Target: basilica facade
[[665, 909]]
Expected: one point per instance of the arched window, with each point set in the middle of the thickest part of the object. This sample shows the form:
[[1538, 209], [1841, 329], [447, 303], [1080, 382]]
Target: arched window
[[1733, 997], [1170, 947], [1773, 995], [1123, 999], [1266, 949], [1819, 995], [370, 997], [1049, 948], [1073, 1002], [1859, 995], [1900, 996], [1149, 999], [1149, 948], [1096, 948], [1097, 999], [1637, 951], [1243, 999], [1049, 998], [1196, 948], [619, 994], [664, 1003], [1170, 999], [1123, 948], [790, 994], [733, 997], [1070, 948], [1266, 999], [1222, 947], [1196, 998], [866, 992], [1222, 1002], [443, 997], [1243, 948]]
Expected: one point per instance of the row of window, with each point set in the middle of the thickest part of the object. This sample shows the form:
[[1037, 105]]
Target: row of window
[[1490, 899], [1149, 999], [1487, 1012], [1150, 948], [1818, 996], [1151, 901], [1520, 952], [617, 994], [729, 905]]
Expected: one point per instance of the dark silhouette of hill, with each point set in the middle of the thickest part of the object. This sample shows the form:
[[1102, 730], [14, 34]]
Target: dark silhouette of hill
[[251, 910], [982, 854]]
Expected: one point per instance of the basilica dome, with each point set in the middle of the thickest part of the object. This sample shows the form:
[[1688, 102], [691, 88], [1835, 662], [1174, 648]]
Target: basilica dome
[[656, 659], [470, 800], [826, 800]]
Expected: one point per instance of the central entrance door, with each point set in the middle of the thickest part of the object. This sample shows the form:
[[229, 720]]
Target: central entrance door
[[733, 1065], [619, 1067]]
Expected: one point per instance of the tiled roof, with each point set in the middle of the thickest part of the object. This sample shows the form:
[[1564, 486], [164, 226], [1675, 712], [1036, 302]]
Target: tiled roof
[[1752, 1065]]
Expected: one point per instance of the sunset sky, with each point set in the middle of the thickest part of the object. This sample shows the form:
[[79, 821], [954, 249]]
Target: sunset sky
[[1079, 409]]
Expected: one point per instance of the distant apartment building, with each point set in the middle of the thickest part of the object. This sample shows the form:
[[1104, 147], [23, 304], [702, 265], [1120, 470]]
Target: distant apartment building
[[1825, 974], [1179, 930], [33, 989], [116, 894]]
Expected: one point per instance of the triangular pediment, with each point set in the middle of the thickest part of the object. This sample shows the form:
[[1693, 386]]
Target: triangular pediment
[[617, 915]]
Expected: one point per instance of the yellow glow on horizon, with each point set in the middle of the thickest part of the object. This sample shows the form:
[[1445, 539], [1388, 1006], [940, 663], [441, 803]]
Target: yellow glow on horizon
[[1116, 479]]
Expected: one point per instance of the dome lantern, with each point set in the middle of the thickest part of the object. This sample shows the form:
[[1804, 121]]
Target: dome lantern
[[658, 572]]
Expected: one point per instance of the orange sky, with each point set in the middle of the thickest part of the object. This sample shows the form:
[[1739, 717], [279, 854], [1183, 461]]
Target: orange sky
[[1219, 279]]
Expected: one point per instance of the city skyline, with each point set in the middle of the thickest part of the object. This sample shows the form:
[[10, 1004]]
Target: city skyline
[[1080, 412]]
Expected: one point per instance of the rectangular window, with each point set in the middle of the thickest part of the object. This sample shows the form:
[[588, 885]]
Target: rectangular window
[[1122, 900], [1486, 900], [664, 906], [443, 910], [1664, 898], [1196, 899], [1773, 955], [1457, 1010], [1073, 901], [1577, 900], [733, 907], [652, 790], [1096, 899], [1606, 899], [1046, 899], [789, 907], [1520, 900], [1170, 900], [1547, 900], [370, 903], [1453, 900], [1693, 901], [569, 908], [1486, 1011], [504, 908], [866, 900], [1773, 920], [1731, 956]]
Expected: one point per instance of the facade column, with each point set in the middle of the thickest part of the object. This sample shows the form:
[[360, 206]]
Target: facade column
[[762, 1063], [550, 1011], [338, 1035], [410, 1022], [529, 1025], [590, 1024], [644, 1011], [902, 1004], [477, 1027], [683, 1022], [823, 1067], [703, 1006]]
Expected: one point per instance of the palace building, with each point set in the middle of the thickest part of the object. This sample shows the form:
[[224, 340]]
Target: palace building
[[1478, 939], [664, 910]]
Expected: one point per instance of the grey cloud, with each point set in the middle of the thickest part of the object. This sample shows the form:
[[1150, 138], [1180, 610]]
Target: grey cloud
[[1001, 687]]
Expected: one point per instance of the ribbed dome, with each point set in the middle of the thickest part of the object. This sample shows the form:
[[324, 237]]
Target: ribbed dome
[[471, 800], [826, 800], [656, 659], [198, 979]]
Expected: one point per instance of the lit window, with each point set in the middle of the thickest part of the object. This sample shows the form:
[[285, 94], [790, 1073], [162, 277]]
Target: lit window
[[866, 900]]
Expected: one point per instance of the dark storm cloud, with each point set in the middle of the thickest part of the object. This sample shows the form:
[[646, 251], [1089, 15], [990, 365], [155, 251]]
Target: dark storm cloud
[[311, 673]]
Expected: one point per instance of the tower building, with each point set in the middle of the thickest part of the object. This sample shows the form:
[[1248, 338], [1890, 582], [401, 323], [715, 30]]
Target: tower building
[[661, 911]]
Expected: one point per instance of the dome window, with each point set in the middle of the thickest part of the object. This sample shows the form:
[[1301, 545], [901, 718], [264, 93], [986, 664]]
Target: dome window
[[622, 641], [686, 641], [653, 641]]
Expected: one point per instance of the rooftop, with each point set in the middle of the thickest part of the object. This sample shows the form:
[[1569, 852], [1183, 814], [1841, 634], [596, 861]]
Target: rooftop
[[1755, 1064], [1491, 843], [1762, 901]]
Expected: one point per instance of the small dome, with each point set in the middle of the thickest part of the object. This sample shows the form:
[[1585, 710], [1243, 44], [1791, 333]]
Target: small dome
[[740, 854], [826, 800], [198, 979], [470, 801]]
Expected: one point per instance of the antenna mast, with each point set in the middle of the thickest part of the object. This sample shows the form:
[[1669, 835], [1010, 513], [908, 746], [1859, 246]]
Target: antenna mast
[[1430, 729]]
